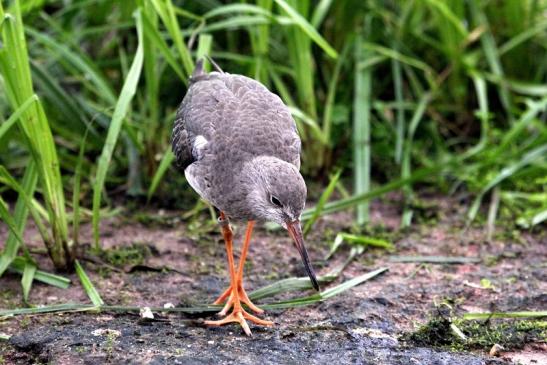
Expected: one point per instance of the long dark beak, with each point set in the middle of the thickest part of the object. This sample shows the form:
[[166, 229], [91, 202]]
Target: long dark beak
[[296, 233]]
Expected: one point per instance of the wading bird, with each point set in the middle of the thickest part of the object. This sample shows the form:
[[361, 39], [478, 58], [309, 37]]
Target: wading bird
[[240, 151]]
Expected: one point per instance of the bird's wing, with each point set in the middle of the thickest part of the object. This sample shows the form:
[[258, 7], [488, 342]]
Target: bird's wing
[[243, 110], [263, 116], [180, 142], [195, 121]]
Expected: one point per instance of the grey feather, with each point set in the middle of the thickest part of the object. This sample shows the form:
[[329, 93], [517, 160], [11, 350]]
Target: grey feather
[[241, 121]]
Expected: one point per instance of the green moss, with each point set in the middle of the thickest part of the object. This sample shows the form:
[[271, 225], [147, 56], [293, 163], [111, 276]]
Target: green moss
[[425, 212], [130, 255], [159, 220], [80, 349], [434, 333], [201, 228], [511, 334], [25, 322], [8, 298]]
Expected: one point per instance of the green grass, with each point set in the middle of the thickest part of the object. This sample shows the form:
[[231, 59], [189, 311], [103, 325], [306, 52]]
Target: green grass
[[397, 95], [271, 290]]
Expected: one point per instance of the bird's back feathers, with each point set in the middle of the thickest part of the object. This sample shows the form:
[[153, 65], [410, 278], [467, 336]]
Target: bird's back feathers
[[233, 119]]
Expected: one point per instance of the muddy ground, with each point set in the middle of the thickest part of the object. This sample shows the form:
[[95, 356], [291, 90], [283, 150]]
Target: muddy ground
[[396, 318]]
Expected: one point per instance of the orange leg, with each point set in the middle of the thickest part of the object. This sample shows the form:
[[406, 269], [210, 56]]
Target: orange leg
[[235, 293], [239, 275]]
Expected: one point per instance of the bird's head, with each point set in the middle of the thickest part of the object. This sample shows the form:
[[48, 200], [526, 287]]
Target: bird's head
[[276, 192]]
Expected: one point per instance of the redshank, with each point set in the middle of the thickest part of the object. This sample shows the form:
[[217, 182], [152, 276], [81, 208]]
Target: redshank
[[240, 151]]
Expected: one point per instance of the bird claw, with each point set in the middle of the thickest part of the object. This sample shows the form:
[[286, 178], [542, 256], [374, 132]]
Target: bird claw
[[242, 297], [240, 316], [234, 298]]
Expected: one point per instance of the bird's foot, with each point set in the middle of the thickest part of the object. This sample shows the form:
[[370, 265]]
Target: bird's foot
[[241, 297], [234, 299], [240, 316]]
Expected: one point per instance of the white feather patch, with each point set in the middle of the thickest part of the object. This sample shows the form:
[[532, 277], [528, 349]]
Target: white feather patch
[[199, 144], [189, 172]]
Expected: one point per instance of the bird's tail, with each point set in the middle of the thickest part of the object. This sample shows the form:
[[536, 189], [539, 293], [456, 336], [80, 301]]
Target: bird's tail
[[199, 71]]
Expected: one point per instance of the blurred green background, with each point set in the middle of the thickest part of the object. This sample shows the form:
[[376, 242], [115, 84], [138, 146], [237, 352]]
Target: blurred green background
[[448, 95]]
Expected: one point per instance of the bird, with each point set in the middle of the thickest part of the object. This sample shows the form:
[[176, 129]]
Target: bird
[[239, 149]]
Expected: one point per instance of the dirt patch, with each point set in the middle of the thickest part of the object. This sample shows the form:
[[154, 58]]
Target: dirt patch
[[167, 260]]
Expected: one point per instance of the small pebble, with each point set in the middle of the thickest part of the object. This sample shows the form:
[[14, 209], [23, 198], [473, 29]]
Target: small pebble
[[211, 342], [146, 312], [496, 350], [106, 332], [168, 305]]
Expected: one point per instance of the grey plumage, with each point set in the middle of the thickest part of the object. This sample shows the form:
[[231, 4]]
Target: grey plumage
[[239, 147]]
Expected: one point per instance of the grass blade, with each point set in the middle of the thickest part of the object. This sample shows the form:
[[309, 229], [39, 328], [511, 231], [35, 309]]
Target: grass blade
[[307, 28], [16, 115], [320, 13], [407, 156], [79, 62], [492, 214], [400, 130], [18, 266], [331, 95], [366, 241], [322, 201], [122, 105], [235, 22], [354, 200], [396, 55], [492, 315], [28, 277], [9, 251], [76, 192], [362, 103], [90, 290], [36, 131], [205, 42], [166, 161], [483, 114], [229, 9], [286, 285], [435, 259], [300, 116], [539, 218], [522, 37], [329, 293], [65, 307], [308, 300], [166, 11], [155, 38], [448, 15], [491, 53], [8, 180], [536, 154], [20, 216]]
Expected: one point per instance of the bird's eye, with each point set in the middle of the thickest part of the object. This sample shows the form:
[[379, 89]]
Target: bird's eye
[[275, 201]]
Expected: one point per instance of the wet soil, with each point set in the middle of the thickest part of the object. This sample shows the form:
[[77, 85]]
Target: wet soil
[[166, 259]]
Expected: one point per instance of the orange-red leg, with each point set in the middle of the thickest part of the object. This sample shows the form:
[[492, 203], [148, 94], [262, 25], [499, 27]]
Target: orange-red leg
[[239, 275], [235, 294]]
